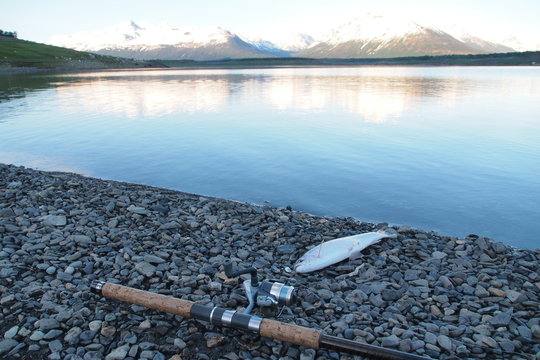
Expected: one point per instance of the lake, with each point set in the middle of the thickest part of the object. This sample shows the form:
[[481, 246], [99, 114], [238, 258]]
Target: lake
[[453, 149]]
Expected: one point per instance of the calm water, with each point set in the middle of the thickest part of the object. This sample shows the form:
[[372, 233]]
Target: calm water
[[456, 150]]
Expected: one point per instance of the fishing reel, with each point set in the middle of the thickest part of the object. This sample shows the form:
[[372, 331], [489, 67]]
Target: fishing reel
[[266, 294]]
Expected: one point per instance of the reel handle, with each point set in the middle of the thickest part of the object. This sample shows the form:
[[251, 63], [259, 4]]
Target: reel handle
[[230, 272]]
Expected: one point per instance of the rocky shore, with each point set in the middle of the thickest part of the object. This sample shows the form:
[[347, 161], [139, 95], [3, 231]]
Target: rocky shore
[[424, 293]]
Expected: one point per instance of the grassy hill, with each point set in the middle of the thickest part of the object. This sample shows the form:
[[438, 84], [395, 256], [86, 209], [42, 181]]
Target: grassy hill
[[21, 53]]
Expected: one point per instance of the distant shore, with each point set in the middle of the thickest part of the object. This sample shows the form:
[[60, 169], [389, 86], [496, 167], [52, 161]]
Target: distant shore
[[422, 293], [506, 59]]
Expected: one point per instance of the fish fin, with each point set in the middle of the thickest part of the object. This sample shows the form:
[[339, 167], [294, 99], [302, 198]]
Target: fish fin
[[355, 256]]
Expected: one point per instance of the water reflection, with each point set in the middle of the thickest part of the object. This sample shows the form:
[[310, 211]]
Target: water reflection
[[375, 95], [455, 150]]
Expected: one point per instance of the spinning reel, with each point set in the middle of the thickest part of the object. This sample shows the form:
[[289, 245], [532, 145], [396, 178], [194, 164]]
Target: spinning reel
[[266, 294]]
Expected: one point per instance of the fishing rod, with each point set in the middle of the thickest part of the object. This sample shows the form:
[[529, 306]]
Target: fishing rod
[[298, 335]]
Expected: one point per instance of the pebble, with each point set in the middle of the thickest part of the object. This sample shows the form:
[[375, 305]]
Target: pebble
[[119, 353], [95, 325], [6, 345], [390, 341], [37, 335], [501, 319], [48, 324], [54, 220], [11, 332], [423, 293]]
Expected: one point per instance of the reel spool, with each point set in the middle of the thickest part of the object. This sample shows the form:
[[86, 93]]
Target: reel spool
[[266, 294]]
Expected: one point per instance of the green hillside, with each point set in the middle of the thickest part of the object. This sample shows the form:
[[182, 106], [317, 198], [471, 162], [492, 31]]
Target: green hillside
[[21, 53]]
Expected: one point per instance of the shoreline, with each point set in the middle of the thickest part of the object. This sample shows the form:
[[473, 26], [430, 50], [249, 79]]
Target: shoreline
[[423, 293]]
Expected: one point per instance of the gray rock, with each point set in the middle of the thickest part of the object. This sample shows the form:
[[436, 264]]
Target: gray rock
[[138, 210], [438, 255], [536, 331], [390, 294], [7, 344], [376, 300], [153, 259], [56, 346], [489, 341], [48, 324], [445, 342], [145, 268], [51, 334], [95, 325], [308, 354], [286, 249], [242, 254], [390, 341], [525, 332], [325, 294], [72, 336], [11, 332], [430, 338], [119, 353], [179, 343], [507, 346], [14, 184], [501, 319], [54, 220], [37, 335]]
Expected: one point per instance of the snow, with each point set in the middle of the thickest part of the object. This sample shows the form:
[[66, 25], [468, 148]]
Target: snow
[[281, 41], [373, 27], [130, 34], [366, 28]]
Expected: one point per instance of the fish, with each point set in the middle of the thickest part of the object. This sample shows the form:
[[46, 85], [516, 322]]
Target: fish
[[334, 251]]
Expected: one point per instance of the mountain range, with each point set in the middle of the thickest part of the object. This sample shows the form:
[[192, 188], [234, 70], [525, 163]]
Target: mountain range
[[369, 36]]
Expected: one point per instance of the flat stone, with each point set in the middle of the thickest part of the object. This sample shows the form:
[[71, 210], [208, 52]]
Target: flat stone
[[536, 331], [48, 324], [496, 292], [286, 249], [179, 343], [95, 325], [444, 342], [489, 341], [54, 220], [153, 259], [438, 255], [11, 332], [514, 295], [108, 331], [390, 341], [501, 319], [56, 346], [138, 210], [51, 334], [390, 294], [7, 345], [72, 336], [214, 339], [145, 268], [325, 294], [37, 335], [119, 353], [430, 338]]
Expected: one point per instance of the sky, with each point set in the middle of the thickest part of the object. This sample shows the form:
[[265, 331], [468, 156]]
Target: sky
[[39, 20]]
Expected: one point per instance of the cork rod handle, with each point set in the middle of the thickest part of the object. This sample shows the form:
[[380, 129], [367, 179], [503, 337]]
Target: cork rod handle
[[159, 302], [295, 334]]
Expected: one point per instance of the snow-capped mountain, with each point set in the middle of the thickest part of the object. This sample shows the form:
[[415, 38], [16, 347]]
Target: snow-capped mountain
[[161, 41], [290, 43], [380, 36], [366, 36]]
